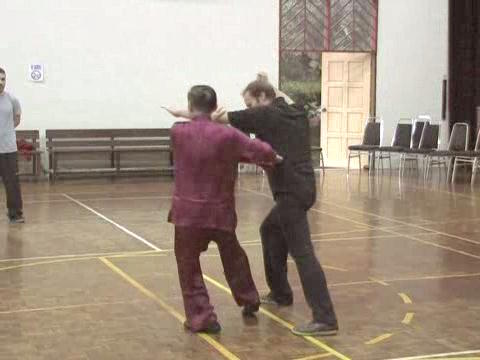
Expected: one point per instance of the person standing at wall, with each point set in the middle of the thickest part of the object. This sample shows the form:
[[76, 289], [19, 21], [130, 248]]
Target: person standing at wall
[[10, 115]]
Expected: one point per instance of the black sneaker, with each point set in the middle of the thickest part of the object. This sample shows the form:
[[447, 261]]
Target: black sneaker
[[315, 329], [212, 328], [19, 219], [270, 300], [249, 310]]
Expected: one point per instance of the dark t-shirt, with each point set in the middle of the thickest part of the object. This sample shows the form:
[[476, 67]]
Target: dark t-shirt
[[287, 130]]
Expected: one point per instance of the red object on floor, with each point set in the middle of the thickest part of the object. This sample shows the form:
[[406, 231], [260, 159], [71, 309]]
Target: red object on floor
[[25, 149]]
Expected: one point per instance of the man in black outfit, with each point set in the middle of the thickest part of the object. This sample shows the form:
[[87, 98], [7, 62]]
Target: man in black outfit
[[285, 230]]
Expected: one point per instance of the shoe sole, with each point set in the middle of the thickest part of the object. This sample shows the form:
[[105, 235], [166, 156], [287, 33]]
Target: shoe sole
[[317, 333], [203, 331]]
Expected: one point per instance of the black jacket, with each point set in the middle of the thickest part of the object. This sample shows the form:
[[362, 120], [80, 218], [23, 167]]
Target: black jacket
[[287, 130]]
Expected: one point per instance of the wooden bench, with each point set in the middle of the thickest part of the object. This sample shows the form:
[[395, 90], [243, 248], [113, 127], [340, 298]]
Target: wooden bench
[[111, 145], [31, 137]]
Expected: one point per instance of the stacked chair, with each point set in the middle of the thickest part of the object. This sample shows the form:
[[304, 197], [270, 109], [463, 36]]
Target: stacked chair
[[370, 143], [401, 140], [428, 144], [468, 157], [457, 145]]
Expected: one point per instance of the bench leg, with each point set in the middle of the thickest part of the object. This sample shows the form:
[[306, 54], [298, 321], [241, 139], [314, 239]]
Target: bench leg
[[117, 162]]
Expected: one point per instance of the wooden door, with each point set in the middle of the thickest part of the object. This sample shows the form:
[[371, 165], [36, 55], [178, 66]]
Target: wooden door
[[346, 99]]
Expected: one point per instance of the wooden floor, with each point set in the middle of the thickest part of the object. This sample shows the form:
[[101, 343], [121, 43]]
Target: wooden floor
[[91, 275]]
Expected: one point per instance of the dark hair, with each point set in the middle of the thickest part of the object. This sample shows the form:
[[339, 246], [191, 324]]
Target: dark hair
[[257, 87], [2, 71], [202, 98]]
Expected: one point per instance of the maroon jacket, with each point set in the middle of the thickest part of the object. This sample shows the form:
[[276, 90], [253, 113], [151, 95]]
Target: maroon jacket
[[206, 161]]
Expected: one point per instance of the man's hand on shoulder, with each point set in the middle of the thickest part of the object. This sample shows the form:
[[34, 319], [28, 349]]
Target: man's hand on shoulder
[[220, 116]]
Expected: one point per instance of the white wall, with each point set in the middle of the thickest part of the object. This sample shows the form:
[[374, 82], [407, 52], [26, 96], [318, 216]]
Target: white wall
[[412, 60], [113, 63]]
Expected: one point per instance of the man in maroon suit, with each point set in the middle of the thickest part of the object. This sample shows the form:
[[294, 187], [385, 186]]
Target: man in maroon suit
[[203, 208]]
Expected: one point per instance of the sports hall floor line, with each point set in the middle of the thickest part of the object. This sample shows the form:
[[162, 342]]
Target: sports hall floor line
[[100, 199], [400, 222], [106, 254], [330, 351], [315, 357], [209, 339], [407, 279], [443, 355], [147, 292], [252, 243], [69, 307], [446, 192], [465, 253], [283, 322], [124, 229]]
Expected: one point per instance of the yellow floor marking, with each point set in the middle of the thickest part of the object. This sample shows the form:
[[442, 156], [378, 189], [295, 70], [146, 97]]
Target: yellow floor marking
[[458, 358], [67, 307], [379, 339], [443, 356], [283, 322], [405, 298], [314, 357], [334, 268], [364, 282], [219, 347], [107, 254], [381, 282], [64, 260], [408, 318], [45, 263]]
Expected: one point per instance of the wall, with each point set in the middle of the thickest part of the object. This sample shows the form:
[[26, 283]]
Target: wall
[[113, 63], [412, 61]]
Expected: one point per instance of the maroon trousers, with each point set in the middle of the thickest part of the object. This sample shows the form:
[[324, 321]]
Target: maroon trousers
[[189, 244]]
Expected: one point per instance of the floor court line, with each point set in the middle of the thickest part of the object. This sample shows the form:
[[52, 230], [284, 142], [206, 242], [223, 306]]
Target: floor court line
[[106, 254], [387, 231], [380, 217], [267, 313], [283, 322], [49, 262], [406, 299], [400, 222], [407, 236], [315, 357], [124, 229], [436, 356], [65, 260], [339, 239], [209, 339], [379, 339], [408, 318], [100, 199], [68, 307]]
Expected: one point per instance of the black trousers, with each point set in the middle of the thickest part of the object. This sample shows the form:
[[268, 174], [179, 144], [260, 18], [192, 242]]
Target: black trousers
[[8, 172], [285, 230]]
